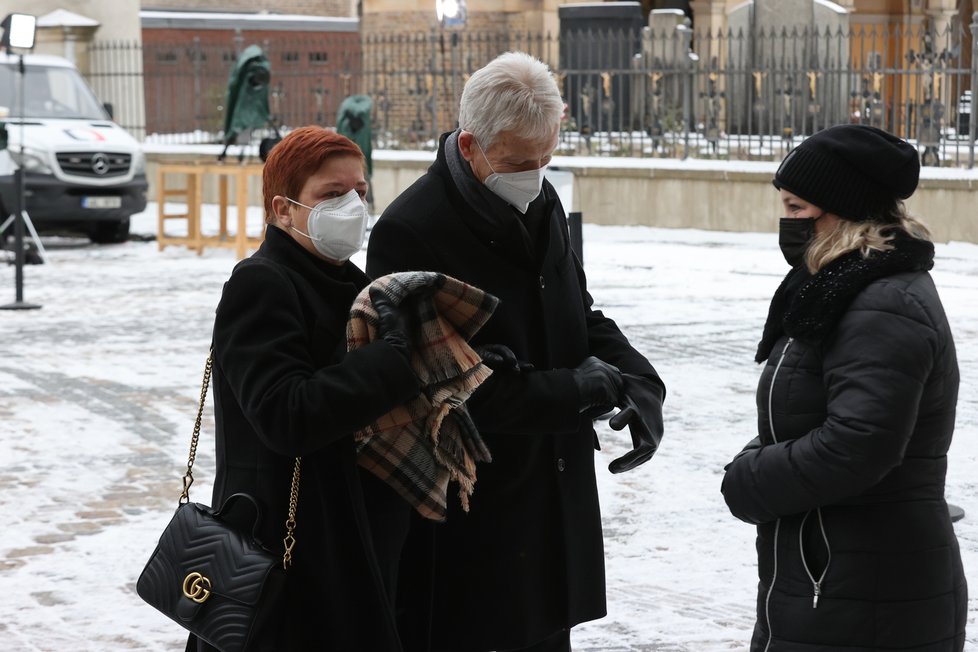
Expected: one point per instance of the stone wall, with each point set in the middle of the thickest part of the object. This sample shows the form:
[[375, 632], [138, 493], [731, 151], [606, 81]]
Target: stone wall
[[710, 195]]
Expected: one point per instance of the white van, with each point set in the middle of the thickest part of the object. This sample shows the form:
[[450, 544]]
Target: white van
[[82, 171]]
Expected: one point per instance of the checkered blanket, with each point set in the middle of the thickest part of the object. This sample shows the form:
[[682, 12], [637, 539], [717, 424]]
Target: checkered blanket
[[417, 448]]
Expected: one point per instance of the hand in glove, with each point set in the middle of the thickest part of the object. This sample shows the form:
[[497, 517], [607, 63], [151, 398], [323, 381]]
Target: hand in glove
[[500, 357], [752, 445], [393, 325], [642, 413], [599, 385]]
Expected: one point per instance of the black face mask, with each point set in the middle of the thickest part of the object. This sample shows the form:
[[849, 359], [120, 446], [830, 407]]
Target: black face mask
[[794, 236]]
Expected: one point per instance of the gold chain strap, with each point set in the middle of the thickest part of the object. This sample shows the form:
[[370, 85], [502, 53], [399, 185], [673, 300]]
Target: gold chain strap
[[289, 540], [188, 477]]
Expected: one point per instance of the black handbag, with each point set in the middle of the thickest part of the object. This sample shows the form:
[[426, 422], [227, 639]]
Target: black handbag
[[210, 576]]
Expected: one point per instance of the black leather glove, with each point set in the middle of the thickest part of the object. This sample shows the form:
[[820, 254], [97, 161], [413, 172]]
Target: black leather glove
[[641, 411], [393, 325], [599, 385], [752, 445], [500, 357]]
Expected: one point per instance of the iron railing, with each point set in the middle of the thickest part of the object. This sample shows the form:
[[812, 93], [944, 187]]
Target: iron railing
[[647, 93]]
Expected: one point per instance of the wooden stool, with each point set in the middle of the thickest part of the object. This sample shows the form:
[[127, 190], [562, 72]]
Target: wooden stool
[[195, 175]]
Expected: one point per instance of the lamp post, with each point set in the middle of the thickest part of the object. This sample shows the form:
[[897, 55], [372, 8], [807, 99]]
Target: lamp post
[[973, 117], [18, 32], [450, 13]]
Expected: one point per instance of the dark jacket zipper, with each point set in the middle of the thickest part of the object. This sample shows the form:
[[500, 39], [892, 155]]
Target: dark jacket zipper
[[777, 524]]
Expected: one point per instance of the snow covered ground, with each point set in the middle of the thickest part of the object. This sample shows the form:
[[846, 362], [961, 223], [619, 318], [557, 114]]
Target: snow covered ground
[[98, 391]]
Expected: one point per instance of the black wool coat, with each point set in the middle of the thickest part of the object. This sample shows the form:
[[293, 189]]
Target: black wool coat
[[284, 386], [528, 559], [856, 409]]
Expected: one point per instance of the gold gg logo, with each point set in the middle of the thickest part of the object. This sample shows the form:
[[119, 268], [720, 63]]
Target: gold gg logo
[[196, 587]]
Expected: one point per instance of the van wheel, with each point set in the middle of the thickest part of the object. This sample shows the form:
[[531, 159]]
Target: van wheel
[[111, 232]]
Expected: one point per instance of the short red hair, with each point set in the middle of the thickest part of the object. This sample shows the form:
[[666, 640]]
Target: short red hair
[[295, 159]]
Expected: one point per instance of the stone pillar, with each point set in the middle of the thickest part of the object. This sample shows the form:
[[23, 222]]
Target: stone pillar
[[941, 14], [783, 45], [709, 16], [709, 23], [67, 35]]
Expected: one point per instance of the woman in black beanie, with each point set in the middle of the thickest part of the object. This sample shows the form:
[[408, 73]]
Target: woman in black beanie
[[856, 405]]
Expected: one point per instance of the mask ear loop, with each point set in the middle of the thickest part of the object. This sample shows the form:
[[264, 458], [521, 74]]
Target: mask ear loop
[[299, 203], [301, 233], [484, 157], [291, 226], [813, 238]]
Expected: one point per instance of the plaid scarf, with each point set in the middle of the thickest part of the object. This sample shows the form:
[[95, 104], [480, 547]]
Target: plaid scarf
[[417, 448]]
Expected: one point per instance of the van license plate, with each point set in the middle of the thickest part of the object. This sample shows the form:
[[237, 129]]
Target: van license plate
[[101, 202]]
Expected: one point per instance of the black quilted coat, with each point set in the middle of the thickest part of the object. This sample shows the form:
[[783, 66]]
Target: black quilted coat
[[283, 386], [856, 408]]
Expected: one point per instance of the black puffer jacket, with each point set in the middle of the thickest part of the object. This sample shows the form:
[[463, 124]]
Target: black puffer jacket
[[855, 411]]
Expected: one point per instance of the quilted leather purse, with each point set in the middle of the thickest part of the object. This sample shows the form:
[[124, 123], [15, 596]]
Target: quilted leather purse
[[213, 578]]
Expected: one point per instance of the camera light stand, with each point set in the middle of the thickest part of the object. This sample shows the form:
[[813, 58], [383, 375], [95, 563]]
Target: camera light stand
[[41, 251], [20, 213]]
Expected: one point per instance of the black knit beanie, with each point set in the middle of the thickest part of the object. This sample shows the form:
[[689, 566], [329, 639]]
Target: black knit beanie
[[853, 171]]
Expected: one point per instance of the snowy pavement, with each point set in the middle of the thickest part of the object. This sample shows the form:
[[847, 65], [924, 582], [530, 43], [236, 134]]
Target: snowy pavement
[[98, 391]]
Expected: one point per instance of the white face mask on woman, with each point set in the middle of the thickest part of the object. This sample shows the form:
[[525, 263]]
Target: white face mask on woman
[[516, 188], [337, 226]]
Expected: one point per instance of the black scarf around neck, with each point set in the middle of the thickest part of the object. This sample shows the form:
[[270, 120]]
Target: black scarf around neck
[[486, 203], [808, 307], [529, 229]]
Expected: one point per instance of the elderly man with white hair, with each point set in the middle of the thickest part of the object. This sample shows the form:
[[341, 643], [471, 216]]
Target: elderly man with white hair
[[526, 563]]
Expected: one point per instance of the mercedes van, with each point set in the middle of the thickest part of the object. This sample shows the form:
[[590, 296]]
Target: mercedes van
[[82, 172]]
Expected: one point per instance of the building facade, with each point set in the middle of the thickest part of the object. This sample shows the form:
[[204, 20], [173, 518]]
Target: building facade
[[187, 57], [335, 8], [671, 78]]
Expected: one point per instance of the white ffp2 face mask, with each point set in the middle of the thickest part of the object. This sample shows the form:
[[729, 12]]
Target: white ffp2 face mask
[[337, 226], [517, 188]]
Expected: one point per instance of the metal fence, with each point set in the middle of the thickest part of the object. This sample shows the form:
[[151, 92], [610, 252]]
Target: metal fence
[[182, 85], [647, 93]]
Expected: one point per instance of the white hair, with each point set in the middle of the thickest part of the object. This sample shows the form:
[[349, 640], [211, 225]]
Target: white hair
[[513, 92]]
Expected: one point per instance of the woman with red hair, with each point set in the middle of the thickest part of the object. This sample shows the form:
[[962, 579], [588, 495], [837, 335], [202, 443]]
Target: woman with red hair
[[284, 386]]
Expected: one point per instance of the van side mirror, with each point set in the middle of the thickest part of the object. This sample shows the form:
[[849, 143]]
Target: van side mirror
[[108, 109]]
